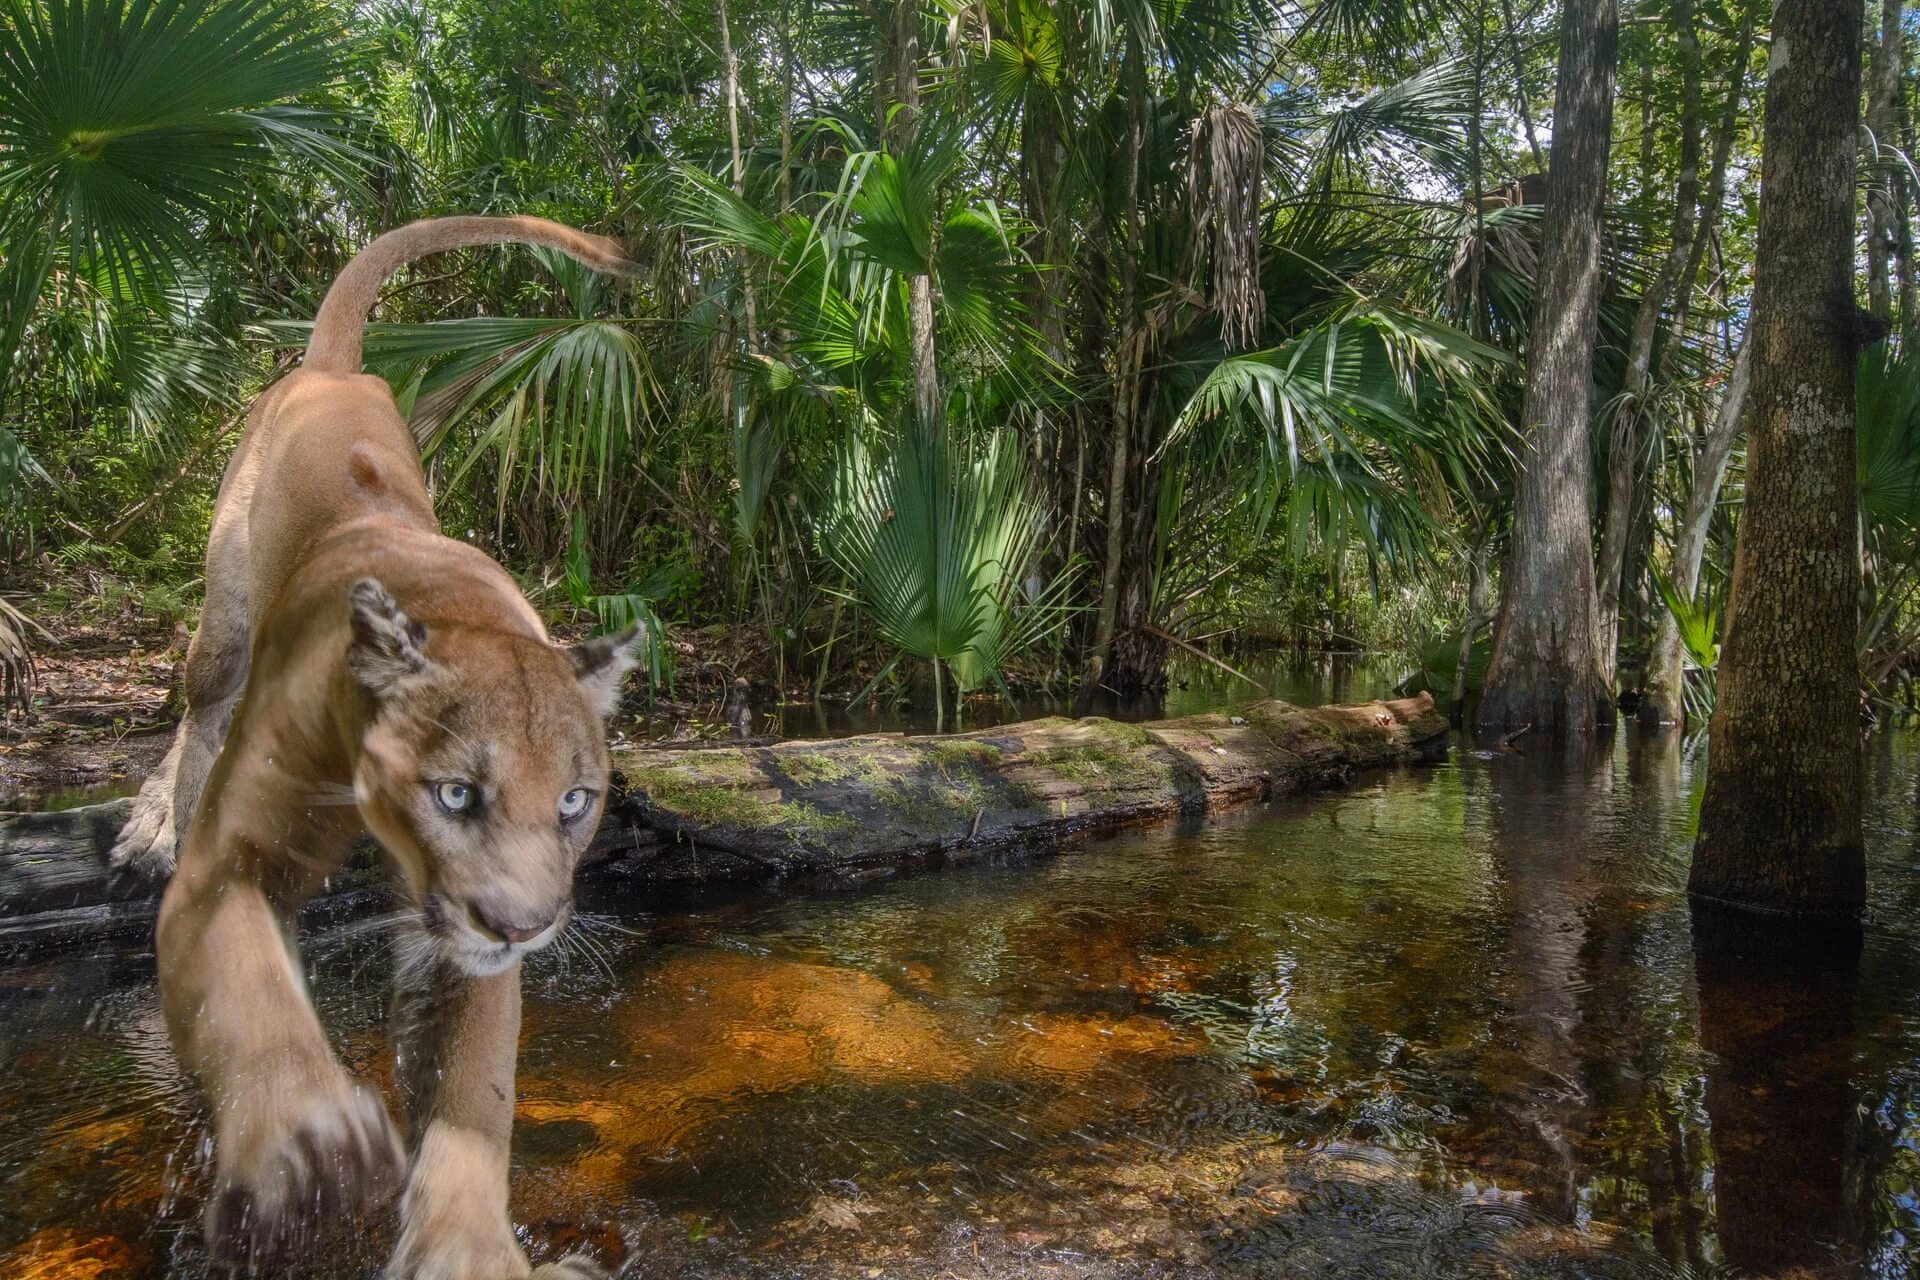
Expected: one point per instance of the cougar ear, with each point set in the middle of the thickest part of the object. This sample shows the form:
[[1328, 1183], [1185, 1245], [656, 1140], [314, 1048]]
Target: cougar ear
[[387, 649], [602, 663]]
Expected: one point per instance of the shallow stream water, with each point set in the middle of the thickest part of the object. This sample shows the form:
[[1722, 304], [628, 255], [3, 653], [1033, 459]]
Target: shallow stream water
[[1448, 1023]]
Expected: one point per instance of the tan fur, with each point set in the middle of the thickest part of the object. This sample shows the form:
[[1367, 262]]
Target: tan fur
[[349, 661]]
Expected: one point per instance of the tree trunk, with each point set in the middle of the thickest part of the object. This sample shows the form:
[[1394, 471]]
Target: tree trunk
[[1780, 819], [1663, 699], [1883, 134], [730, 63], [1623, 457], [1126, 376], [899, 111], [1545, 669]]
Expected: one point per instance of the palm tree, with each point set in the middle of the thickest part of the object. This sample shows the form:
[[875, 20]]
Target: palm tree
[[936, 543], [126, 129]]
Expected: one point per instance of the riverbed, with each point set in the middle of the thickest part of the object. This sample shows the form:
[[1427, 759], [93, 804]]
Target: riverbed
[[1448, 1023]]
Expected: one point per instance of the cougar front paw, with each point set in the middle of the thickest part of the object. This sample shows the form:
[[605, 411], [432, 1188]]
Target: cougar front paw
[[451, 1250], [575, 1266], [145, 845], [280, 1174]]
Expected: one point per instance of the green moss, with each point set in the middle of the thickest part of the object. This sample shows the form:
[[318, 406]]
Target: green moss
[[1104, 755], [1118, 733], [814, 770], [724, 803], [951, 752]]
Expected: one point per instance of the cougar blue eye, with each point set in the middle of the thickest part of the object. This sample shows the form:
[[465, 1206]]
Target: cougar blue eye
[[574, 803], [454, 797]]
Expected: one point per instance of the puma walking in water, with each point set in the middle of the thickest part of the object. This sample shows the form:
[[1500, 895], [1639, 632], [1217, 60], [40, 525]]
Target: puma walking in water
[[354, 671]]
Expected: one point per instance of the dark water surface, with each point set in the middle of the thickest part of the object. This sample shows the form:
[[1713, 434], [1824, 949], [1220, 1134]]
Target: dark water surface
[[1449, 1023]]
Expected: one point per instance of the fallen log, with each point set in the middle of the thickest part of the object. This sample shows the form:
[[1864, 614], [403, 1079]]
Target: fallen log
[[843, 807]]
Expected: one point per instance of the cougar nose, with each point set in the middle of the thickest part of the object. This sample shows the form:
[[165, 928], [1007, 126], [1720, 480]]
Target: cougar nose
[[493, 925]]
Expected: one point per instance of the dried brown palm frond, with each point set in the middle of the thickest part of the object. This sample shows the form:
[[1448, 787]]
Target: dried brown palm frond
[[1225, 155], [16, 660]]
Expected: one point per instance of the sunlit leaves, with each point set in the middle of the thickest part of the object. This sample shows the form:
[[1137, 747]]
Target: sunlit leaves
[[936, 540], [1350, 415], [124, 121], [558, 403]]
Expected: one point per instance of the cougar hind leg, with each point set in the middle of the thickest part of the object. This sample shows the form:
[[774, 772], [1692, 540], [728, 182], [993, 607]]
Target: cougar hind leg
[[217, 662]]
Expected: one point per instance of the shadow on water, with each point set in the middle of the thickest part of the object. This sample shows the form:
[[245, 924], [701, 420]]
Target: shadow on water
[[1453, 1022]]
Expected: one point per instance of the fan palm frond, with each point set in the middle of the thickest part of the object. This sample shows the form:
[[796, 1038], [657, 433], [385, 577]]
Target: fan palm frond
[[123, 122], [936, 542]]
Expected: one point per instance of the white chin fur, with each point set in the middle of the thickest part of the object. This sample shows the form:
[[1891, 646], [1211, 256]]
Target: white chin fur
[[476, 963], [478, 958]]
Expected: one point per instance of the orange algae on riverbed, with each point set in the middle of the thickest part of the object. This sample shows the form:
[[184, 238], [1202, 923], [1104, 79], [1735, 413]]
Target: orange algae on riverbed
[[61, 1254]]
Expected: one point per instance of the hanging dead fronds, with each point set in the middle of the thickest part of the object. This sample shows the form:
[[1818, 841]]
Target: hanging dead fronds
[[1225, 157], [16, 661]]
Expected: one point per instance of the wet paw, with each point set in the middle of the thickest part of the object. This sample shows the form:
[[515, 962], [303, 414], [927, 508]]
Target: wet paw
[[145, 847], [575, 1266], [282, 1173], [465, 1254]]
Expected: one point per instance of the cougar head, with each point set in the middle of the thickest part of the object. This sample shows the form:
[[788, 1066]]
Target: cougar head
[[484, 770]]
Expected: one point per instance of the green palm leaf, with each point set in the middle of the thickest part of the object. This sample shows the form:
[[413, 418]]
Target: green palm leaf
[[123, 122], [936, 542]]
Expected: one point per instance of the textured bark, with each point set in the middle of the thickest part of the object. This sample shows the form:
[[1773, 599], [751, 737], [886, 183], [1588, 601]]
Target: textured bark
[[1123, 461], [1545, 669], [926, 362], [1663, 697], [1884, 187], [1623, 457], [899, 106], [1780, 819], [848, 806]]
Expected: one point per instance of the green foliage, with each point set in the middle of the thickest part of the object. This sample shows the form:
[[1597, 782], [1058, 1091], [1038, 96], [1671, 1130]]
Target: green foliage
[[124, 124], [621, 609], [1278, 256], [936, 543], [1698, 621]]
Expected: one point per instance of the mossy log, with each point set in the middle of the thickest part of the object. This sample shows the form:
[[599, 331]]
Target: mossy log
[[855, 803], [844, 807]]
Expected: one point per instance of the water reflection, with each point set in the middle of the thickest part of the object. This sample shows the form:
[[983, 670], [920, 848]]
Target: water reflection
[[1454, 1022], [1776, 1019]]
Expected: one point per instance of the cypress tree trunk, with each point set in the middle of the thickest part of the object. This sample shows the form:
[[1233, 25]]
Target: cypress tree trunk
[[1780, 820], [1545, 670]]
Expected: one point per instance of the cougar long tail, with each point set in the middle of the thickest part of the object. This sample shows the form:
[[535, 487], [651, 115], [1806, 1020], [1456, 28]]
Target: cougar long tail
[[337, 329]]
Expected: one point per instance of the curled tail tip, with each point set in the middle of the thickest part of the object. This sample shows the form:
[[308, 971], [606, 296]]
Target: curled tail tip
[[614, 260]]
